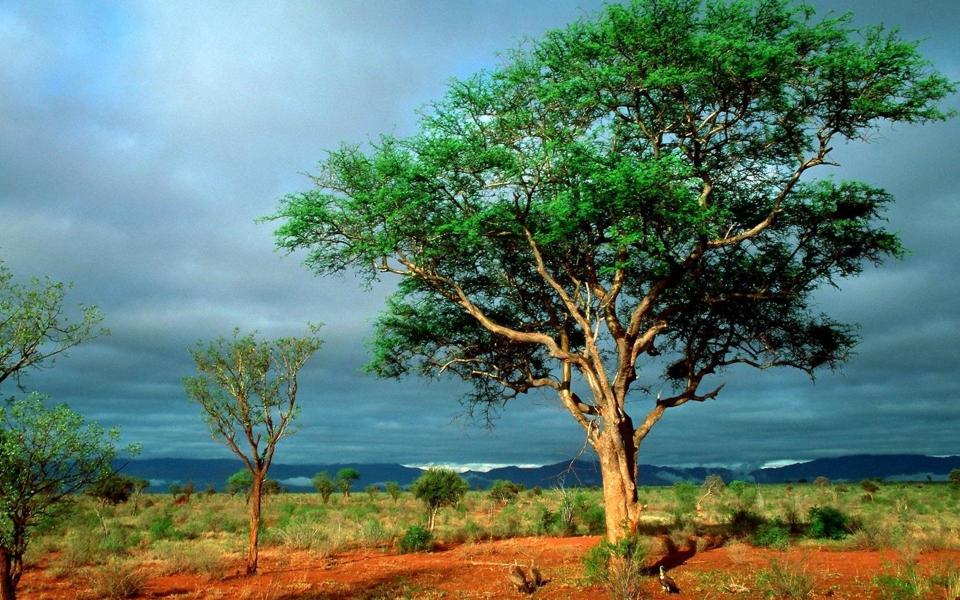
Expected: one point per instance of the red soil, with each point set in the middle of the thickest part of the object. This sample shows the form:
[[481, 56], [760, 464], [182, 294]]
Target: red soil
[[479, 571]]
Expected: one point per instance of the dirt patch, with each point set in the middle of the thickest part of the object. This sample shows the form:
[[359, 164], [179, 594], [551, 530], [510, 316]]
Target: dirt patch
[[479, 570]]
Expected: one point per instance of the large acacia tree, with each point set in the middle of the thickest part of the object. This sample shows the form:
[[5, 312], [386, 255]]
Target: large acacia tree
[[632, 192], [247, 388]]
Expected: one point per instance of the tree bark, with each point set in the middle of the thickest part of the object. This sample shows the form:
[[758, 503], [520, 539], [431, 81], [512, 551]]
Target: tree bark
[[256, 493], [8, 590], [618, 468]]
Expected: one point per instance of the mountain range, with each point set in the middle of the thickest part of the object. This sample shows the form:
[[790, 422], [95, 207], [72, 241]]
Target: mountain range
[[204, 473]]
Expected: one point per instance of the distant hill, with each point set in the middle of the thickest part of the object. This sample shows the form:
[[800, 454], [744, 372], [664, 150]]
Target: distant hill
[[911, 467], [164, 471]]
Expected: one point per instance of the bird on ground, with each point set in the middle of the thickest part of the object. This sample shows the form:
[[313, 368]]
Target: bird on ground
[[667, 583]]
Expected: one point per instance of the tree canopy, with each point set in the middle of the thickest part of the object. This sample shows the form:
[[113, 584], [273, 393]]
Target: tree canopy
[[630, 190], [33, 327]]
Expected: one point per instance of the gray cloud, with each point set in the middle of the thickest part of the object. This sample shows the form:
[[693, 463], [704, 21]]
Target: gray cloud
[[139, 141]]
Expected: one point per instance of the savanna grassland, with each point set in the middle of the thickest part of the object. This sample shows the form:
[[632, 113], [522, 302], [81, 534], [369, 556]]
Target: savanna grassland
[[841, 540]]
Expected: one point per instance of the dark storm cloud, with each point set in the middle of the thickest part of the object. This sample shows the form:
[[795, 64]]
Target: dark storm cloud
[[139, 141]]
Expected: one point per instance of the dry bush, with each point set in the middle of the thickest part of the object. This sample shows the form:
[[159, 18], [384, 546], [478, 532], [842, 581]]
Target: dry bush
[[200, 558], [116, 580]]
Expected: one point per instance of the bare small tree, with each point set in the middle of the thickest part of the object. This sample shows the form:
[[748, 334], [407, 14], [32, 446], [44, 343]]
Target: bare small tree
[[247, 388]]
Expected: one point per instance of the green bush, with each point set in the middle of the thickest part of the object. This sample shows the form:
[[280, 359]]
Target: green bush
[[504, 491], [162, 528], [828, 523], [744, 523], [623, 578], [594, 519], [771, 535], [902, 583], [416, 538]]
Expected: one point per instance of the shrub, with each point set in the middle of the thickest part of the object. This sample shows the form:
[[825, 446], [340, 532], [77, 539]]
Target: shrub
[[954, 476], [745, 495], [117, 580], [781, 580], [372, 491], [324, 485], [504, 491], [393, 490], [903, 582], [415, 539], [619, 567], [743, 523], [191, 557], [684, 500], [113, 489], [828, 523], [437, 488], [771, 535], [162, 528], [594, 519]]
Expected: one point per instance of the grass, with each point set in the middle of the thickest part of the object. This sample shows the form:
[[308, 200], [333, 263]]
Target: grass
[[208, 535]]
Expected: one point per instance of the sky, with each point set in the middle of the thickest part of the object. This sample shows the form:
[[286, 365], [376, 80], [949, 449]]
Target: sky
[[139, 141]]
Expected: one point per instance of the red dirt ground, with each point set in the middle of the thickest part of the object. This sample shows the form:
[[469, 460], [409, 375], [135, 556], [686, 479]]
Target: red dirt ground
[[478, 570]]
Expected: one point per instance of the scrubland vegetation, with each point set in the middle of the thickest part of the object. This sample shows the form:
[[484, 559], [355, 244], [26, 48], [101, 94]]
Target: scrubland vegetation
[[115, 549]]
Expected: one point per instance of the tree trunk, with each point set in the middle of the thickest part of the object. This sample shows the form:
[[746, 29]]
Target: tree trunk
[[256, 492], [618, 467], [8, 590]]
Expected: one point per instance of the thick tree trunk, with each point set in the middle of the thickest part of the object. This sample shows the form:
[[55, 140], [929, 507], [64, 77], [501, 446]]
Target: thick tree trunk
[[256, 493], [618, 467], [8, 590]]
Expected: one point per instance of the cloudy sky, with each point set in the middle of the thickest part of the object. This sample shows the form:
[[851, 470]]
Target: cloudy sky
[[140, 140]]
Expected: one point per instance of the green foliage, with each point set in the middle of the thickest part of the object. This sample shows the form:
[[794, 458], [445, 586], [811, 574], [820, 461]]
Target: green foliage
[[685, 500], [113, 489], [902, 582], [34, 328], [784, 581], [437, 488], [827, 522], [502, 490], [619, 567], [772, 534], [240, 482], [954, 476], [372, 491], [345, 478], [654, 163], [162, 527], [743, 523], [393, 490], [47, 454], [745, 494], [415, 539], [324, 485]]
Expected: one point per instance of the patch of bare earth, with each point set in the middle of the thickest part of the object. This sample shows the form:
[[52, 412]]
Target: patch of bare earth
[[479, 570]]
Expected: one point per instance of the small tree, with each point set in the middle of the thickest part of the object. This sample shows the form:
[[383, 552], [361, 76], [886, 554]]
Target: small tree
[[140, 485], [240, 483], [822, 482], [113, 489], [438, 488], [372, 491], [954, 476], [345, 478], [46, 455], [712, 485], [247, 389], [393, 490], [324, 485], [503, 491]]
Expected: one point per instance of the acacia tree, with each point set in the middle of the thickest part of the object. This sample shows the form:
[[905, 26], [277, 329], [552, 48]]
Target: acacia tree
[[46, 455], [33, 327], [629, 192], [247, 389]]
